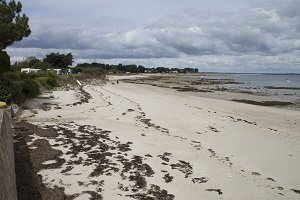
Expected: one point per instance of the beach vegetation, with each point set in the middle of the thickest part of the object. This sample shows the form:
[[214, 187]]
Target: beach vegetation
[[4, 62], [17, 87], [5, 90], [30, 88]]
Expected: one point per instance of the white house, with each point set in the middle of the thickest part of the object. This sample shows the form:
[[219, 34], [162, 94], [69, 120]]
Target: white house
[[30, 70], [60, 71], [57, 71]]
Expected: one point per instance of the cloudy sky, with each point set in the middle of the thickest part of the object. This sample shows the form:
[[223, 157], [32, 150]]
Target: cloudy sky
[[216, 35]]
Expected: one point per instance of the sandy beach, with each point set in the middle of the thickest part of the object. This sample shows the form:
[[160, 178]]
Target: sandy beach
[[133, 141]]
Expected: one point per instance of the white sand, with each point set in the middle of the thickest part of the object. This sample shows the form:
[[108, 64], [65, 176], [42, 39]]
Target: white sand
[[239, 148]]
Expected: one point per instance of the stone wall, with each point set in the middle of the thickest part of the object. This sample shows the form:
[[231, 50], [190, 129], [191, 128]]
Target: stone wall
[[8, 189]]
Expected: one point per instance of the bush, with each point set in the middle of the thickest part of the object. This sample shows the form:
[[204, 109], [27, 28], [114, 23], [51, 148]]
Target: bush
[[47, 82], [18, 95], [12, 76], [45, 74], [5, 90], [30, 88], [93, 71], [17, 87], [11, 90], [4, 62], [77, 70], [52, 82]]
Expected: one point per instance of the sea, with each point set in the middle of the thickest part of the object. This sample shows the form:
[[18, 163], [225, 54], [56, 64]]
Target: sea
[[266, 84]]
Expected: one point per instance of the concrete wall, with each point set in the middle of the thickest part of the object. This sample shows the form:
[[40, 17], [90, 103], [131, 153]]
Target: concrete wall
[[8, 189]]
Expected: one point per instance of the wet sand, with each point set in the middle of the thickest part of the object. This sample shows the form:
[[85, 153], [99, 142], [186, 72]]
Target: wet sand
[[135, 141]]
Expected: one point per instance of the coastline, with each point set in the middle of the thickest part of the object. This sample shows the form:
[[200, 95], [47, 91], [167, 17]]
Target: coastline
[[163, 143], [205, 86]]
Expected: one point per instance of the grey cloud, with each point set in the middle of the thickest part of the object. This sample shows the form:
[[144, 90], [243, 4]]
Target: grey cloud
[[254, 31], [267, 33], [285, 8]]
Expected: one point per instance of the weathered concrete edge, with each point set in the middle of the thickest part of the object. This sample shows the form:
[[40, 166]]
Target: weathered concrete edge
[[8, 187]]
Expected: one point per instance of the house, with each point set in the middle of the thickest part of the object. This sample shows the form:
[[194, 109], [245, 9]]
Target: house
[[29, 70], [57, 71], [69, 71], [61, 71]]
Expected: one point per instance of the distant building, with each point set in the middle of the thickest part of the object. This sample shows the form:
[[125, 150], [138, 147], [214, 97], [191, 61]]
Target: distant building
[[61, 71], [58, 71], [29, 70]]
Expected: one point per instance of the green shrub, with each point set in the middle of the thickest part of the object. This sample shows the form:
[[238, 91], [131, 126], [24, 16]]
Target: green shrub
[[5, 90], [18, 86], [93, 71], [11, 76], [47, 73], [18, 95], [4, 62], [30, 88], [11, 91], [47, 82], [77, 70], [52, 82]]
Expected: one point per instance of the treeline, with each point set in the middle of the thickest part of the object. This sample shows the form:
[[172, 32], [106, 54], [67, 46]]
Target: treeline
[[52, 60], [130, 68], [63, 61]]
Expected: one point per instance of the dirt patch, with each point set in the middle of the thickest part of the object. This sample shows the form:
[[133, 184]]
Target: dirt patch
[[83, 96], [190, 89], [200, 180], [168, 178], [213, 129], [296, 191], [256, 174], [165, 156], [264, 103], [29, 161], [184, 167], [154, 193], [282, 88], [219, 191], [242, 120], [148, 123]]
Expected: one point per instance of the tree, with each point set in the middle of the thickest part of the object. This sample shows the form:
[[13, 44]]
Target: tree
[[141, 69], [57, 60], [131, 68], [31, 62], [13, 25]]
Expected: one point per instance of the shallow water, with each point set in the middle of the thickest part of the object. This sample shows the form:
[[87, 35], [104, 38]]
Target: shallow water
[[258, 82]]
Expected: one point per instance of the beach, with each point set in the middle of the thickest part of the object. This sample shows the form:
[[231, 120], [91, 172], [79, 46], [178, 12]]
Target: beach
[[140, 141]]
